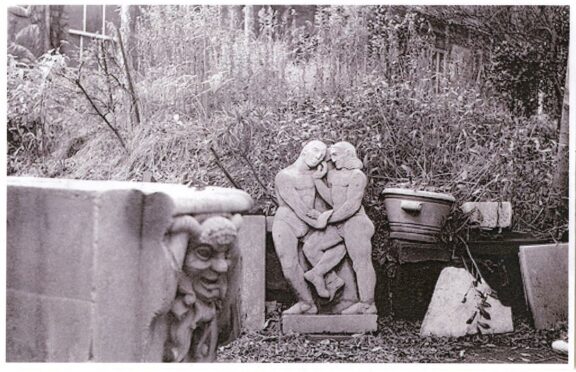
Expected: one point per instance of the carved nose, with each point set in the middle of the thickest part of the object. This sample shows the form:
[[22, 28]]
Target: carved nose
[[220, 265]]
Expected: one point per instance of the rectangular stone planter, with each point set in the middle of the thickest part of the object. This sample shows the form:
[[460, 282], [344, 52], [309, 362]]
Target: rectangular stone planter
[[87, 273]]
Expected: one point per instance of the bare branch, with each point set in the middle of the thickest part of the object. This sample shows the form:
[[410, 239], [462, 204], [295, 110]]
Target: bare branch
[[114, 130], [230, 178]]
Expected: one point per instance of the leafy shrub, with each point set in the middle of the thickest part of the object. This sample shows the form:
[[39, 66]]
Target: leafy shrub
[[33, 110], [221, 106]]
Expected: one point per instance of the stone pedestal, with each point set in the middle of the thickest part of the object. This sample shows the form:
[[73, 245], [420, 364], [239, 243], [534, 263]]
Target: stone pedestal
[[334, 324]]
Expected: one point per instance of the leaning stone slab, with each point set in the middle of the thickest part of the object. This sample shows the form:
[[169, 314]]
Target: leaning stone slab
[[332, 324], [544, 271], [89, 274], [489, 215], [454, 310]]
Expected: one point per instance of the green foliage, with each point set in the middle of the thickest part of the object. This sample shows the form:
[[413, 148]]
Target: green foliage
[[363, 74], [33, 117], [530, 55]]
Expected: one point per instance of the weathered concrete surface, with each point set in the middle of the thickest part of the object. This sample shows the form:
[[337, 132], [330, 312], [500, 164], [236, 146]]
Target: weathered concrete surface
[[349, 324], [544, 271], [50, 267], [88, 275], [456, 302], [489, 214], [252, 244], [80, 248], [49, 245], [47, 328]]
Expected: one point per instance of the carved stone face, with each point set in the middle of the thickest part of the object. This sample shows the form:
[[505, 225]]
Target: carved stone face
[[207, 265], [209, 256], [313, 153]]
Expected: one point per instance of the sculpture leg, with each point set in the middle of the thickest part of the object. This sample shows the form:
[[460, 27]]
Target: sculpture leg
[[322, 253], [357, 234], [286, 245]]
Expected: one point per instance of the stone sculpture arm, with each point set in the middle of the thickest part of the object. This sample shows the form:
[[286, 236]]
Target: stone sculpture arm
[[353, 203], [287, 192], [324, 191]]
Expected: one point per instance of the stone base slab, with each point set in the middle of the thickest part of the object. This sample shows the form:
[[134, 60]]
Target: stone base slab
[[329, 323]]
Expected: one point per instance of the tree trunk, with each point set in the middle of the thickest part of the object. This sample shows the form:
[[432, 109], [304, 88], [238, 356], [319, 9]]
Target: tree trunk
[[128, 15], [235, 16], [249, 21], [562, 156]]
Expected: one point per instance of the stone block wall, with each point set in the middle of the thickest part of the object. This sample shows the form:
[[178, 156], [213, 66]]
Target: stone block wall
[[88, 276]]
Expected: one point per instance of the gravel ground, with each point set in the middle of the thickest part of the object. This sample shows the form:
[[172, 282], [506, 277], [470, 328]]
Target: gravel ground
[[395, 341]]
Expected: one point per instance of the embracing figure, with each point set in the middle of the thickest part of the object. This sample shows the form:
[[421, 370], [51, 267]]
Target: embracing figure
[[327, 235]]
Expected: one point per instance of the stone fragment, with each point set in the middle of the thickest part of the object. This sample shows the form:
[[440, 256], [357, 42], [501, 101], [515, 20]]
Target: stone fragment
[[349, 324], [456, 308], [489, 215], [252, 244], [544, 271]]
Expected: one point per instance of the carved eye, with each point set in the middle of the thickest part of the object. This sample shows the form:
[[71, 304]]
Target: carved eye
[[203, 252]]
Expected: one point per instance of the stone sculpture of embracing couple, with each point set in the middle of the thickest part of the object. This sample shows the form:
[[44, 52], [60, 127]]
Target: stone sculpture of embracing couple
[[320, 216]]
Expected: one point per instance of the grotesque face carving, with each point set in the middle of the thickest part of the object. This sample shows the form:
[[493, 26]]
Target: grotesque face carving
[[207, 266], [313, 153], [208, 258]]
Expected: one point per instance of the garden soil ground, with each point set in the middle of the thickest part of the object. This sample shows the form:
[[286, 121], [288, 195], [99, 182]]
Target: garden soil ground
[[396, 341]]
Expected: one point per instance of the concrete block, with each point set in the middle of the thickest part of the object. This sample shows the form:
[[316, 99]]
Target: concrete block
[[252, 244], [489, 215], [350, 324], [89, 275], [50, 241], [544, 271], [456, 302], [47, 329], [269, 223], [117, 280]]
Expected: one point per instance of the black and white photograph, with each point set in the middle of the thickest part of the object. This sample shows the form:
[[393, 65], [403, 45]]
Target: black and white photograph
[[288, 183]]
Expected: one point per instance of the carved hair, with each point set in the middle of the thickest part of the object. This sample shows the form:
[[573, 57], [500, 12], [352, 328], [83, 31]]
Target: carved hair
[[218, 230], [215, 229], [310, 144], [351, 158]]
